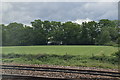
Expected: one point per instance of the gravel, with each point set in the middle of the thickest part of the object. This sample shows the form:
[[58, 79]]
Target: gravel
[[58, 74]]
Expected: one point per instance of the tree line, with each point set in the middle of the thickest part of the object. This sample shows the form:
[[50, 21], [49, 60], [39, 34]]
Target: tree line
[[103, 32]]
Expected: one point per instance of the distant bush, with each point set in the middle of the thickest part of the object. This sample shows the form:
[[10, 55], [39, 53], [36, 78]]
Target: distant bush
[[112, 44]]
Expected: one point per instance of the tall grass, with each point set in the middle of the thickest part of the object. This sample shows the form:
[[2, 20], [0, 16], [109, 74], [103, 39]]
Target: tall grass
[[66, 60]]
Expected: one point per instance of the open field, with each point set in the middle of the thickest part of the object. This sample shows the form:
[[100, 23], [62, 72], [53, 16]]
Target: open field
[[83, 56], [61, 50]]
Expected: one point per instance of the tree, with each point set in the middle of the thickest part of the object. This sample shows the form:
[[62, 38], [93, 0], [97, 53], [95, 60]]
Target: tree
[[93, 31], [39, 32], [11, 33], [71, 33], [104, 37], [106, 23], [85, 36], [68, 33], [56, 33]]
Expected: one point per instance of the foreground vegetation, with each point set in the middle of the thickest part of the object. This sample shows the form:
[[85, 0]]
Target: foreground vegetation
[[87, 56], [100, 61]]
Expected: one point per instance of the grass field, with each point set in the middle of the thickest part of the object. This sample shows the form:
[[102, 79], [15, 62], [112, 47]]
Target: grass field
[[87, 56], [61, 50]]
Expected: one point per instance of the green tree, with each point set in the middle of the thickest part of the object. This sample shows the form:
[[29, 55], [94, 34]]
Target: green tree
[[93, 31], [104, 37], [71, 33], [39, 32], [11, 33]]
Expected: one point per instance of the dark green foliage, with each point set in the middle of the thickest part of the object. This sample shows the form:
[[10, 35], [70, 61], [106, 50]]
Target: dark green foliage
[[104, 32], [117, 54], [111, 43], [68, 60], [104, 58]]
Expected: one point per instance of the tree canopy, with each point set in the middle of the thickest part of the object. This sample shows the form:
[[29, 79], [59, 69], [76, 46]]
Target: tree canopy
[[43, 32]]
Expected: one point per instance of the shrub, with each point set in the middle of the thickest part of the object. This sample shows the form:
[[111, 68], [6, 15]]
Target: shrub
[[112, 44], [100, 57], [117, 54]]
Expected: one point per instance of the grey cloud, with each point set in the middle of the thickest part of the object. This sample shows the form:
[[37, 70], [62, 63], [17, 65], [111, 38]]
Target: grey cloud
[[25, 12]]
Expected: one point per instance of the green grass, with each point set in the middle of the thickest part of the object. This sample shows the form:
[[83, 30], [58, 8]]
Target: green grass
[[87, 56], [61, 50]]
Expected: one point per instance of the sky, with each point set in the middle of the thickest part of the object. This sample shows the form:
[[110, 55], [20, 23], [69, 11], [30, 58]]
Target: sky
[[26, 12]]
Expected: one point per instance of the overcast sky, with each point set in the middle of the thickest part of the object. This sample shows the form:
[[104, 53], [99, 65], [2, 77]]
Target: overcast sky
[[25, 12]]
